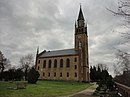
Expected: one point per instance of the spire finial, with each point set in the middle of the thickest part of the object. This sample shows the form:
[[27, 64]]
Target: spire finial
[[37, 49], [80, 5]]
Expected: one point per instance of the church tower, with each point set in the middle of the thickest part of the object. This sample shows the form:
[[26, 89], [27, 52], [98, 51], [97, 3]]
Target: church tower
[[81, 45]]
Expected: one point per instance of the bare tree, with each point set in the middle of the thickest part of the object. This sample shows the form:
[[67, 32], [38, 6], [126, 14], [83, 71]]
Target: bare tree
[[124, 11], [123, 57], [123, 62], [102, 66], [4, 64], [26, 63], [117, 71], [122, 68]]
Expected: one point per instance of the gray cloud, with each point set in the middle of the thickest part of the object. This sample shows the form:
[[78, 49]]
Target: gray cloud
[[50, 24]]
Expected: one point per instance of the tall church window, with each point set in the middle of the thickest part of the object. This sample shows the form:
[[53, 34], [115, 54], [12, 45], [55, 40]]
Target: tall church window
[[43, 74], [88, 75], [75, 74], [38, 61], [67, 62], [38, 68], [87, 60], [75, 67], [49, 65], [61, 63], [67, 74], [75, 59], [54, 74], [80, 44], [44, 64], [55, 63], [61, 74], [82, 29]]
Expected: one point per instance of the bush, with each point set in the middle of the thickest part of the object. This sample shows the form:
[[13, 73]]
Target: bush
[[33, 76], [98, 88]]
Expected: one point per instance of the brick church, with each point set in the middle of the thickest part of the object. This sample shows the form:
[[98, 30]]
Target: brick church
[[67, 64]]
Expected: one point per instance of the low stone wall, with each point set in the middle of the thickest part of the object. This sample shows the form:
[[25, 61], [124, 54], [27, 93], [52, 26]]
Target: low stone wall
[[21, 85], [123, 89]]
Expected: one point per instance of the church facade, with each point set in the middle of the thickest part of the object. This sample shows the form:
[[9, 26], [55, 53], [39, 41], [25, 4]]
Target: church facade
[[67, 64]]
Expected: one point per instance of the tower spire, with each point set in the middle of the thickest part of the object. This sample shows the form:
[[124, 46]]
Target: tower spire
[[75, 24], [81, 45], [80, 20], [36, 56], [37, 50], [80, 17]]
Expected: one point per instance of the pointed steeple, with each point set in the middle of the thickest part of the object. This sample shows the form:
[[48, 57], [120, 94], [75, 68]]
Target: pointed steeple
[[37, 50], [80, 17], [36, 57], [75, 24]]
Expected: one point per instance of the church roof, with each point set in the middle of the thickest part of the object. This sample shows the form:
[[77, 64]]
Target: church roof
[[80, 17], [59, 53]]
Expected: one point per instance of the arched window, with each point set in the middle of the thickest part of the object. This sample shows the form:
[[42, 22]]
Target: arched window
[[38, 68], [80, 44], [67, 74], [49, 65], [61, 74], [44, 64], [61, 63], [75, 74], [55, 63], [75, 67], [75, 59], [38, 61], [82, 29], [88, 75], [54, 74], [67, 62], [43, 74]]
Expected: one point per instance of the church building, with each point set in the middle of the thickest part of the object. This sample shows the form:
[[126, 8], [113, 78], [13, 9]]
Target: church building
[[67, 64]]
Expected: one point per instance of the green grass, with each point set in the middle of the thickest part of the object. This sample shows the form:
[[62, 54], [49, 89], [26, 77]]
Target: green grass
[[42, 89]]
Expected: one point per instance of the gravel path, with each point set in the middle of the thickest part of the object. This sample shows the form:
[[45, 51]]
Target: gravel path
[[85, 93]]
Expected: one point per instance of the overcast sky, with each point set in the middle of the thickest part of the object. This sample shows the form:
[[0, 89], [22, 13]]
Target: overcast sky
[[49, 24]]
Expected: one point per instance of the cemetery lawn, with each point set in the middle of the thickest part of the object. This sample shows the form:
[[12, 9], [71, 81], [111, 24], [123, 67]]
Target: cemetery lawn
[[42, 89]]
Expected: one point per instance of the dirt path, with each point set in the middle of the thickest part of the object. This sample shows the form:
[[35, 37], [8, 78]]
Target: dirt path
[[85, 93]]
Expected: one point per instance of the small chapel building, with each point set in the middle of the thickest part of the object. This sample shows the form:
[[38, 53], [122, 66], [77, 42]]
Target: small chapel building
[[67, 64]]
